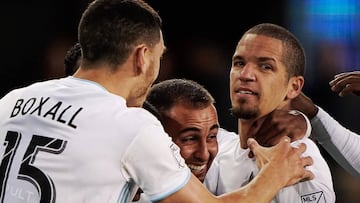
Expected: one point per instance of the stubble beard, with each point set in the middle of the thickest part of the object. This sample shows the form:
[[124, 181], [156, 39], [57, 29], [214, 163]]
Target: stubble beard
[[139, 94], [244, 111], [143, 89]]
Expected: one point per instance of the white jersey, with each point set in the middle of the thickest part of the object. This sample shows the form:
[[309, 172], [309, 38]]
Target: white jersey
[[236, 169], [342, 144], [70, 140], [212, 176]]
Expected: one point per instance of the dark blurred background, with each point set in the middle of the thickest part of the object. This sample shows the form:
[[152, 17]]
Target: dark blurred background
[[201, 37]]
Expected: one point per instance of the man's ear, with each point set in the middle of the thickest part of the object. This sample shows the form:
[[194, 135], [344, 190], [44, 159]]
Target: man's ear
[[296, 84], [140, 59]]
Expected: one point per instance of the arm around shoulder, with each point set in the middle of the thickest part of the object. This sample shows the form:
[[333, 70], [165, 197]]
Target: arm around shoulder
[[280, 166]]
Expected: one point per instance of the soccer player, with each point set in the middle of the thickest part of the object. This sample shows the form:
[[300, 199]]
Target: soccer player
[[266, 74], [187, 112]]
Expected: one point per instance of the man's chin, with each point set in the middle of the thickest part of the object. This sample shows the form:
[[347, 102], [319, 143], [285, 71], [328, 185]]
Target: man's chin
[[201, 178], [200, 175], [246, 114]]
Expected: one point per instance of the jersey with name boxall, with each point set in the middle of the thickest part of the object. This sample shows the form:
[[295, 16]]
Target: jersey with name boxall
[[70, 140]]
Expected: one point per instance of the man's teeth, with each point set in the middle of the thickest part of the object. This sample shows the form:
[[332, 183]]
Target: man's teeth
[[245, 92], [195, 167]]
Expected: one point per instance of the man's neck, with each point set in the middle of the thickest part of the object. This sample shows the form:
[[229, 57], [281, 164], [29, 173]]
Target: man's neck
[[115, 82], [245, 127]]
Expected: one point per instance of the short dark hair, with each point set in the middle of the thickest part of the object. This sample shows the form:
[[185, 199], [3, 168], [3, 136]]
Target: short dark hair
[[293, 52], [164, 95], [110, 29], [146, 105], [72, 59]]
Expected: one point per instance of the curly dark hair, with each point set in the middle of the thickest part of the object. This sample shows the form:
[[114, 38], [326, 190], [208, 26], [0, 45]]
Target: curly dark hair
[[72, 59]]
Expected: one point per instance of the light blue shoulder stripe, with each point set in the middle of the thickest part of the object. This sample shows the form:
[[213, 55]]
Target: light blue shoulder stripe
[[172, 191], [125, 193]]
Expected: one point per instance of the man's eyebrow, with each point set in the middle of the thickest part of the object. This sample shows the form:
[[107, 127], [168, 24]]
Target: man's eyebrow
[[264, 58], [215, 126], [190, 129], [237, 57]]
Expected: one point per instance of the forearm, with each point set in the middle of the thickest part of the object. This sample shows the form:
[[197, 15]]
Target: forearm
[[262, 189], [342, 144]]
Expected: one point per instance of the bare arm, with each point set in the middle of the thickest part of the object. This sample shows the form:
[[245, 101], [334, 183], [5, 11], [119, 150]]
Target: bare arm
[[278, 124], [305, 105], [346, 83], [343, 83], [277, 170]]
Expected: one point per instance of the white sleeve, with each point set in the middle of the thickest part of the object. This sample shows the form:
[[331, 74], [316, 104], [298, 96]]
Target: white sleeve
[[320, 189], [342, 144], [154, 162]]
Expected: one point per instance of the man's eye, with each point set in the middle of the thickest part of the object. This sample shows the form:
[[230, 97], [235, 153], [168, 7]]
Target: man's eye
[[188, 139], [238, 63], [266, 67], [212, 136]]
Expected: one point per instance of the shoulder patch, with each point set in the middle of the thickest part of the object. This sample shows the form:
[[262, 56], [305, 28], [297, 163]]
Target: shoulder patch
[[176, 152], [317, 197]]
